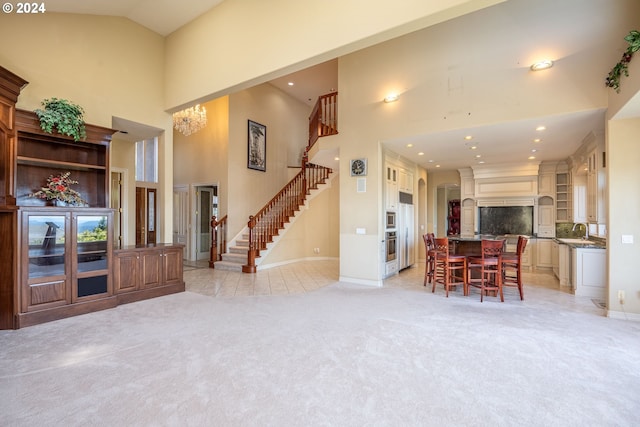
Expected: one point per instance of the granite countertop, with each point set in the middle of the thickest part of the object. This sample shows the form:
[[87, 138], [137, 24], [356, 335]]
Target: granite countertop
[[581, 243], [477, 237]]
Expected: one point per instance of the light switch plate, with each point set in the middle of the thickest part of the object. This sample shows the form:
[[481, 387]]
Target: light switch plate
[[627, 238]]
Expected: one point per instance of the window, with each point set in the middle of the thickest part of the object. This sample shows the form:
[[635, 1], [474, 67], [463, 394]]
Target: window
[[147, 160]]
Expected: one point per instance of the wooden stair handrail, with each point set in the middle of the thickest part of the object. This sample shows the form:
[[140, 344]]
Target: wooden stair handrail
[[218, 245], [267, 222], [323, 120]]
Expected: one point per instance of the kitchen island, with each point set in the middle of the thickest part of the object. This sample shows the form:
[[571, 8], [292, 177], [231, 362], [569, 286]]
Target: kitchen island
[[471, 245]]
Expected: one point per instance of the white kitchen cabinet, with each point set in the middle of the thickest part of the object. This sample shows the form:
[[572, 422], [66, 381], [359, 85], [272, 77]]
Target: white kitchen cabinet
[[563, 197], [467, 184], [527, 256], [555, 258], [546, 217], [547, 183], [544, 253], [467, 217], [580, 198], [405, 181], [564, 265], [391, 190], [596, 187], [588, 272]]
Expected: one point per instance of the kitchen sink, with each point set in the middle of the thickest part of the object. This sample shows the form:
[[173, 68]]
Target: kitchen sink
[[576, 241]]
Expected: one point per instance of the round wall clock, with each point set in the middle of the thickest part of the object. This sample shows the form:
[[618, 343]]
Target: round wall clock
[[358, 167]]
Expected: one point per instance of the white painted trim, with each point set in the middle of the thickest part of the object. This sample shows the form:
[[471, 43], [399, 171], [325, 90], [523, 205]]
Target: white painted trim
[[124, 202], [623, 316], [366, 282], [291, 261]]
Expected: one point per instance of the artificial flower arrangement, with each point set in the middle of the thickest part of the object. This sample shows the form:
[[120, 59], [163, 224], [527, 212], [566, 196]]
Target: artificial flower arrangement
[[622, 67], [59, 188]]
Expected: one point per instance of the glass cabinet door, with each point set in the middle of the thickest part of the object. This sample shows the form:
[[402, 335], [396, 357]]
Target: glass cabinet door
[[46, 240], [92, 254]]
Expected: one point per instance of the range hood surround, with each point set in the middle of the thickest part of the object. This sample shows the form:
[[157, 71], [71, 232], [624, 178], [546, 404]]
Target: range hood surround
[[505, 182]]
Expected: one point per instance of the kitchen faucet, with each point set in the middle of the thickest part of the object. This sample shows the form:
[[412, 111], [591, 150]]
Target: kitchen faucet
[[586, 229]]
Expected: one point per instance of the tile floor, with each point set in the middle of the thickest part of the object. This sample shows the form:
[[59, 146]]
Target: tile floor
[[306, 276], [296, 278]]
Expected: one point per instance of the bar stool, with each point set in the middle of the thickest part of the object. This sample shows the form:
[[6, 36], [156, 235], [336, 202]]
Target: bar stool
[[489, 265], [450, 270], [430, 266], [512, 266]]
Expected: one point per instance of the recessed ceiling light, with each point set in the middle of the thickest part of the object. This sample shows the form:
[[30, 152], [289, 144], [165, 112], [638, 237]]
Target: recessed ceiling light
[[542, 65], [421, 154], [437, 166], [537, 140], [468, 137], [290, 83], [540, 128], [478, 156], [391, 97], [473, 147], [534, 150], [532, 157], [430, 161], [336, 158], [409, 145], [481, 162]]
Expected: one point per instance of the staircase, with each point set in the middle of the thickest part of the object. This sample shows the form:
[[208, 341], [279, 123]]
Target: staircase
[[237, 257], [272, 218]]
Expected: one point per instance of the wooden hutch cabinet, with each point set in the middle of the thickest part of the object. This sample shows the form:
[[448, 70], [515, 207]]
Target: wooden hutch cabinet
[[143, 271], [57, 262], [10, 87]]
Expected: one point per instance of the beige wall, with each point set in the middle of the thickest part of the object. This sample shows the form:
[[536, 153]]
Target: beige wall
[[286, 120], [203, 157], [218, 153], [123, 157], [110, 66], [624, 212], [284, 35], [623, 155]]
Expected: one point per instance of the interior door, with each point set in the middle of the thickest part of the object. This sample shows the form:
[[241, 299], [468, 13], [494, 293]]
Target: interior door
[[145, 215], [141, 215], [204, 210], [181, 217]]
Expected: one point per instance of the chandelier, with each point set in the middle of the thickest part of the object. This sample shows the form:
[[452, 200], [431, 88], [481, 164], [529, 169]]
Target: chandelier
[[190, 120]]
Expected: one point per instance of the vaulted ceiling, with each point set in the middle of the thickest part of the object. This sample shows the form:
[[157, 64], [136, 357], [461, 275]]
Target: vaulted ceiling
[[559, 30]]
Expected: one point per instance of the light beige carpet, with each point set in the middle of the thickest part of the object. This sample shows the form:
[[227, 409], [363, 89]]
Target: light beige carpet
[[344, 355]]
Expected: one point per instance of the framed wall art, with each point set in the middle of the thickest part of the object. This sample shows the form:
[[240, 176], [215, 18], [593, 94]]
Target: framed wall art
[[257, 146]]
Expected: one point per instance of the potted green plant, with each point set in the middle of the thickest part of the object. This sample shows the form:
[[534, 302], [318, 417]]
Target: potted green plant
[[62, 116]]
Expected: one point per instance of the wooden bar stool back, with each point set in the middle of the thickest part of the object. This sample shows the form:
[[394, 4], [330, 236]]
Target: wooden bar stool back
[[450, 269], [485, 271], [430, 266], [512, 266]]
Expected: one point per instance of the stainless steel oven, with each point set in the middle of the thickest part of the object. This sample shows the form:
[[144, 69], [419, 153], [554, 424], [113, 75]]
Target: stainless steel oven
[[390, 243], [391, 220]]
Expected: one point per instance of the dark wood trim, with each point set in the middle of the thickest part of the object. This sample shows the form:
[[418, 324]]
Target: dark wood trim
[[128, 297], [11, 85], [57, 313], [28, 122]]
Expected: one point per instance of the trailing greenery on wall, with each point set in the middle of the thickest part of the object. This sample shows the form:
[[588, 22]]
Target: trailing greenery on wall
[[613, 79], [62, 116]]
